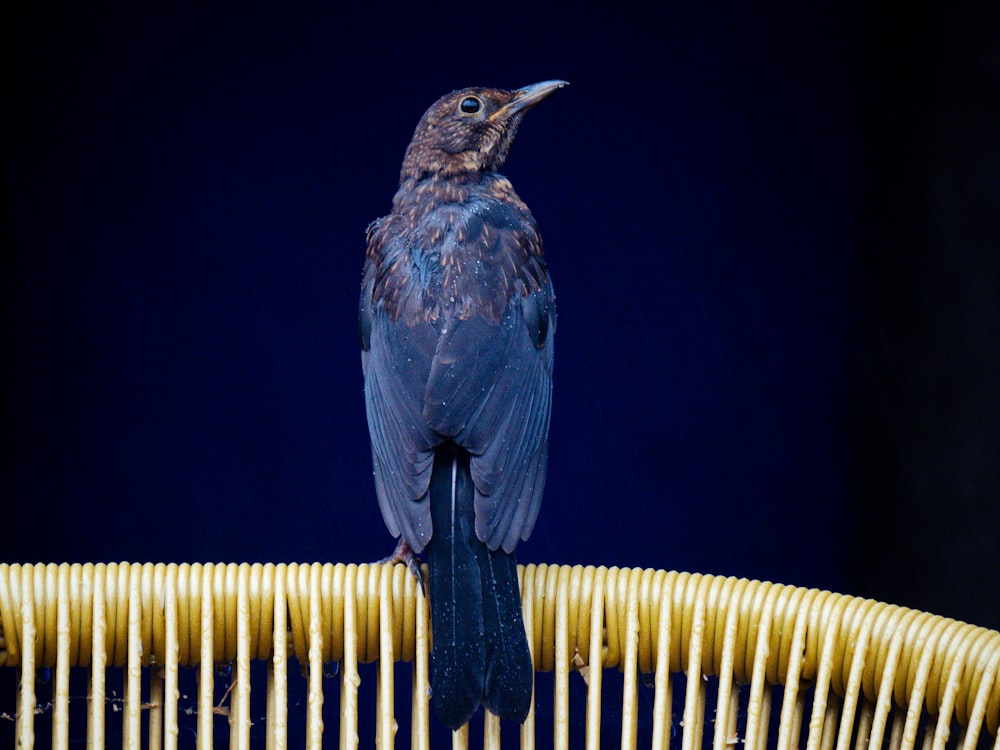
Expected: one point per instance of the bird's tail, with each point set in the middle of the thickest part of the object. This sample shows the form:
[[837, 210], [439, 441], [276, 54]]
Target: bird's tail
[[480, 653]]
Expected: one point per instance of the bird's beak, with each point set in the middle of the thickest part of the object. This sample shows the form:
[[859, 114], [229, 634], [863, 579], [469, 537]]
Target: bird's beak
[[527, 97]]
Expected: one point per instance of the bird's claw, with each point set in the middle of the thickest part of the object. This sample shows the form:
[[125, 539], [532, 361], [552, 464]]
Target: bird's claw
[[404, 554]]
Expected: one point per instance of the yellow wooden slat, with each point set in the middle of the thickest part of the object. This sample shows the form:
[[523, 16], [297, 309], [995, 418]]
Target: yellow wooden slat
[[871, 672]]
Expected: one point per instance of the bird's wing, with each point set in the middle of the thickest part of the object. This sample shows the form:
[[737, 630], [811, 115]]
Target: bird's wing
[[480, 373], [396, 360], [490, 389]]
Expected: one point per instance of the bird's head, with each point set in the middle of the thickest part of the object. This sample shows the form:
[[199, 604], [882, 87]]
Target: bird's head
[[470, 130]]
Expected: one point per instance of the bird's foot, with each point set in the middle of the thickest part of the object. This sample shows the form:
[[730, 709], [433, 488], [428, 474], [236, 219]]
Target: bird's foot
[[404, 554]]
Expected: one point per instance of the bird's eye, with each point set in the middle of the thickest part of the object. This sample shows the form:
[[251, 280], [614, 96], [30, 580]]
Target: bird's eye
[[470, 105]]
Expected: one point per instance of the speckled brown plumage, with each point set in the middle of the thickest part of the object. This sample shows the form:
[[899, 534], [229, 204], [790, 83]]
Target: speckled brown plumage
[[481, 238]]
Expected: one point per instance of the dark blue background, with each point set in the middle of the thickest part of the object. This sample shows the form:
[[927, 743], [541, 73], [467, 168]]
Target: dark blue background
[[188, 194]]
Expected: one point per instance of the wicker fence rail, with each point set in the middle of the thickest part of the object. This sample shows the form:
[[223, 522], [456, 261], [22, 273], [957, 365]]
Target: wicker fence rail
[[782, 666]]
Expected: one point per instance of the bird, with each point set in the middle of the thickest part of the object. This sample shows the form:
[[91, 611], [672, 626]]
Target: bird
[[457, 317]]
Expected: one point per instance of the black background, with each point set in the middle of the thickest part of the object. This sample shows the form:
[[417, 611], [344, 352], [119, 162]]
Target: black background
[[772, 232]]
